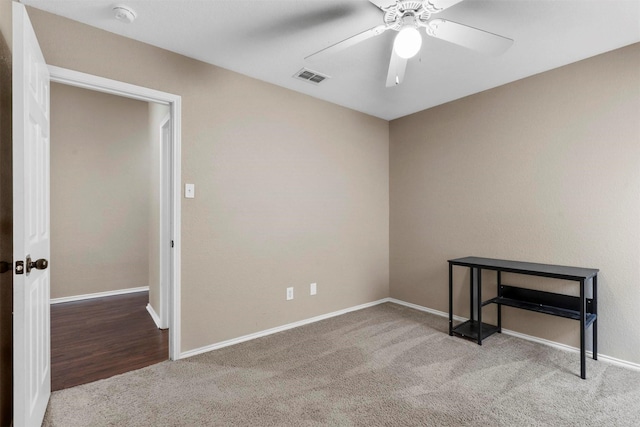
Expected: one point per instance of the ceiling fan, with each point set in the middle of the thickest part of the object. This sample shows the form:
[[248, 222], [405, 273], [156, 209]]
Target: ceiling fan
[[406, 17]]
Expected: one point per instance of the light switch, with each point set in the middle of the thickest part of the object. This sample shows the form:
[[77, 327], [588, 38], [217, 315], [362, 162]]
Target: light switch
[[189, 191]]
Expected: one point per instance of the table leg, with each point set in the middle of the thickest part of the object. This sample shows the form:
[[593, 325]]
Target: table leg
[[499, 305], [450, 299], [472, 313], [479, 306], [583, 361], [595, 322]]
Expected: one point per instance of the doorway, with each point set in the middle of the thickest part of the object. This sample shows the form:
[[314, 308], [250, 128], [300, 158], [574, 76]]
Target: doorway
[[169, 194], [105, 272]]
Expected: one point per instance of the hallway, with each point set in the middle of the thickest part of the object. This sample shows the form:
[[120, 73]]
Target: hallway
[[99, 338]]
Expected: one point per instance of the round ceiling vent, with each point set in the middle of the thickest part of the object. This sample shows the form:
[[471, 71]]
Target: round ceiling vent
[[124, 14]]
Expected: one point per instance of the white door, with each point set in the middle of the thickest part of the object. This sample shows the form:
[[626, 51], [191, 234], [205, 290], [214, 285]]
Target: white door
[[31, 321]]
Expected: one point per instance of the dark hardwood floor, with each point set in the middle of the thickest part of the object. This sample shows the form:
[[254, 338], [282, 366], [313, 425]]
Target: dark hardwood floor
[[98, 338]]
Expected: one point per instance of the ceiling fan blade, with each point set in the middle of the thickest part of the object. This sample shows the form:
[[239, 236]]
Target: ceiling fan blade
[[469, 37], [298, 21], [440, 5], [381, 4], [371, 32], [397, 67]]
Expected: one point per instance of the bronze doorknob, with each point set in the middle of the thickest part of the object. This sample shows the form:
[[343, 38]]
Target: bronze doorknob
[[40, 264]]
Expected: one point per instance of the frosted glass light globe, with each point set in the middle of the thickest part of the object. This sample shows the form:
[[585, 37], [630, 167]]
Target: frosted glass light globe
[[407, 42]]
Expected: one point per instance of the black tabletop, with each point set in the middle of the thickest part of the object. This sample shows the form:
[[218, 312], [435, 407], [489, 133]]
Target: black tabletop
[[548, 270]]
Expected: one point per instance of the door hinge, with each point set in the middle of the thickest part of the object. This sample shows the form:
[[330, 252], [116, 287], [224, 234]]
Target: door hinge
[[19, 267], [172, 243]]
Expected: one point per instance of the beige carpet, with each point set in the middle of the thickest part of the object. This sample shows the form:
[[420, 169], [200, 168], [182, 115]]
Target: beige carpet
[[383, 366]]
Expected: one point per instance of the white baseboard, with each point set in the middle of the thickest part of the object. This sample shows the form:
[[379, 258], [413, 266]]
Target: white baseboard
[[154, 315], [277, 329], [205, 349], [554, 344], [426, 309], [98, 295], [604, 357]]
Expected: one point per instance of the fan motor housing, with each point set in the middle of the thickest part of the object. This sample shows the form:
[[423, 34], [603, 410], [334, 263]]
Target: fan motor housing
[[397, 15]]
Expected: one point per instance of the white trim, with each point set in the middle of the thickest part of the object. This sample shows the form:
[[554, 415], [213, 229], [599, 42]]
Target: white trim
[[619, 362], [154, 315], [98, 295], [426, 309], [277, 329], [554, 344], [164, 226], [176, 284], [114, 87], [560, 346], [233, 341]]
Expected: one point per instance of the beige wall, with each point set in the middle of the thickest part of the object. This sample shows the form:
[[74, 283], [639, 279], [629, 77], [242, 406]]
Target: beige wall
[[157, 113], [6, 26], [99, 192], [546, 169], [290, 190], [6, 219]]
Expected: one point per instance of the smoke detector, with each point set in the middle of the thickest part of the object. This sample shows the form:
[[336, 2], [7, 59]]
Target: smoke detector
[[124, 14]]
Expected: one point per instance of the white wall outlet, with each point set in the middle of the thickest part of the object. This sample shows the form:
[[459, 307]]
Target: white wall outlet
[[313, 289], [289, 293], [189, 191]]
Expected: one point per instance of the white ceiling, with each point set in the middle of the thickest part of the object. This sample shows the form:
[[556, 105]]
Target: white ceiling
[[268, 40]]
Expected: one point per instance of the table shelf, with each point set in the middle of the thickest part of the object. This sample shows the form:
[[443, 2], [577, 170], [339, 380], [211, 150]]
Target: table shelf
[[543, 302], [546, 309], [469, 329]]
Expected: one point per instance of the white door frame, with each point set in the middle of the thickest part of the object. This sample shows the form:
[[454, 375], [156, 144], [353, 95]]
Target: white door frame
[[165, 233], [101, 84]]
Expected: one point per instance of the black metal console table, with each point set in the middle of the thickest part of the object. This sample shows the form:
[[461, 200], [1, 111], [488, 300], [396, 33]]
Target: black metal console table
[[578, 308]]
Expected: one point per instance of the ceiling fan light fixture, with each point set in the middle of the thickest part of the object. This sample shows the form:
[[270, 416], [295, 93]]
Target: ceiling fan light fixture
[[408, 42]]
